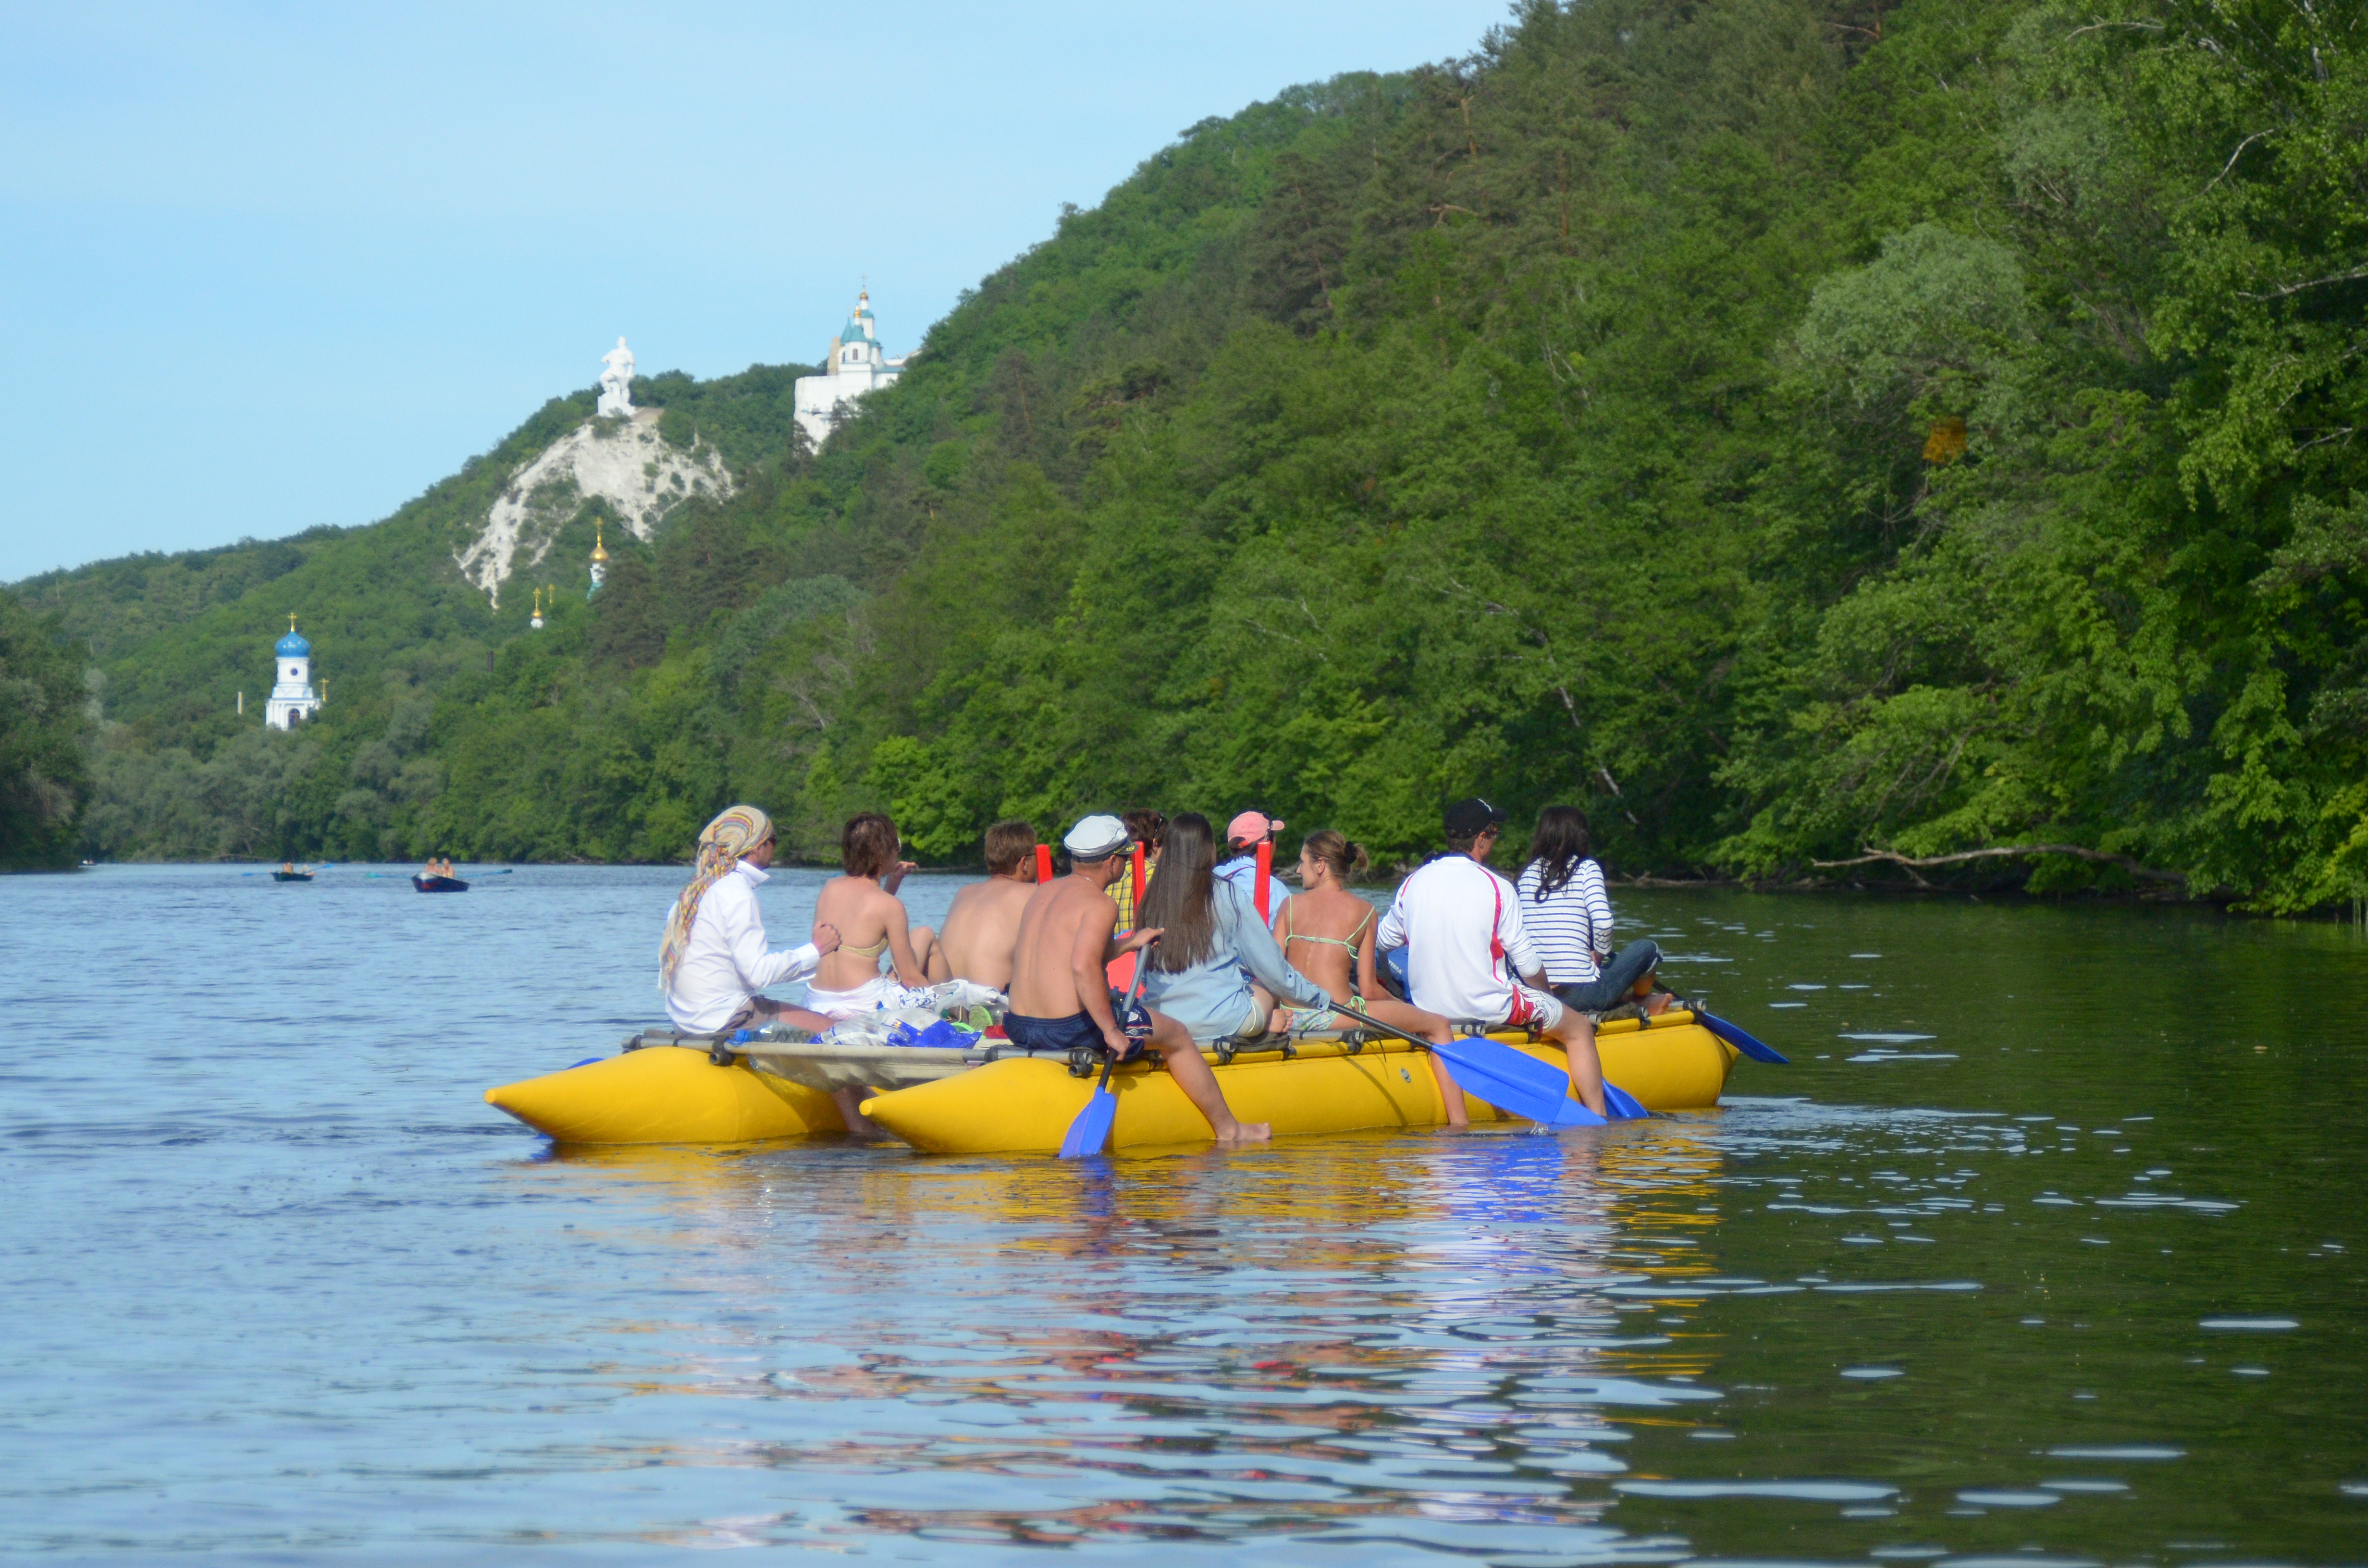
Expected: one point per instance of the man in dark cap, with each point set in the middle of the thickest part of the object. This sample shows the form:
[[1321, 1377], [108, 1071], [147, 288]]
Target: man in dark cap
[[1467, 954]]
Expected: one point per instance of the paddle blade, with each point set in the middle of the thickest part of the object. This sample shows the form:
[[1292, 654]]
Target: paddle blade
[[1043, 863], [1515, 1080], [1092, 1128], [1738, 1039], [1624, 1106]]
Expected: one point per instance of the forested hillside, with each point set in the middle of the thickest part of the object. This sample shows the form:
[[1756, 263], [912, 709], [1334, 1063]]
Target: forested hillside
[[1795, 430]]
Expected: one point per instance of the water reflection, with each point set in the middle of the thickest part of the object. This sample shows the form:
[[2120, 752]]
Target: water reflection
[[1974, 1278]]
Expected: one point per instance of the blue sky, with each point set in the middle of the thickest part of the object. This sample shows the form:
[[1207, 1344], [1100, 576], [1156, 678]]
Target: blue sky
[[264, 266]]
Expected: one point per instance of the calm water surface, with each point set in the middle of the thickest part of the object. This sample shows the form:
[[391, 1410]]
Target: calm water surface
[[2048, 1248]]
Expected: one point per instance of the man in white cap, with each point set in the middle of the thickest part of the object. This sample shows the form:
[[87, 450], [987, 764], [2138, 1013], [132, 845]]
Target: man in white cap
[[1060, 992]]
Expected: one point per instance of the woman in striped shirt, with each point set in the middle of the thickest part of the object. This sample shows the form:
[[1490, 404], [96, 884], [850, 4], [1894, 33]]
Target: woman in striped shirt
[[1569, 920]]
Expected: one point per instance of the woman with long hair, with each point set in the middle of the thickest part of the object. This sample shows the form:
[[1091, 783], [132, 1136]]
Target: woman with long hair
[[1568, 917], [1327, 934], [1212, 934]]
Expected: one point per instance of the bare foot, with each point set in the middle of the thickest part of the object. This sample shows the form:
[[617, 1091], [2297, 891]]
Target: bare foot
[[1657, 1004], [1247, 1132], [850, 1103], [1279, 1022]]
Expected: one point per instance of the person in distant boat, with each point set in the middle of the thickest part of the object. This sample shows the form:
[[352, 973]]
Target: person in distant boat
[[713, 963], [982, 929], [1467, 951], [1326, 933], [1145, 829], [1243, 836], [288, 867], [864, 904], [1060, 995], [1568, 917], [1218, 969]]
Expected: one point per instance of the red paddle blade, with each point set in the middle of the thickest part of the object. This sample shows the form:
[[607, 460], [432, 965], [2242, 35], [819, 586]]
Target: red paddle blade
[[1265, 875], [1043, 863]]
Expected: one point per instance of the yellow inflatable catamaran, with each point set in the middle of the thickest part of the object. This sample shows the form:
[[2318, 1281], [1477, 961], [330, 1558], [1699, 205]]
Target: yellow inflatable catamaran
[[999, 1100]]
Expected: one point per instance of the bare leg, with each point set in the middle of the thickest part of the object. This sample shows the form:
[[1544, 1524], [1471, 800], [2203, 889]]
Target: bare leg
[[1262, 1006], [850, 1103], [1434, 1028], [1577, 1032], [928, 954], [800, 1018], [1200, 1085]]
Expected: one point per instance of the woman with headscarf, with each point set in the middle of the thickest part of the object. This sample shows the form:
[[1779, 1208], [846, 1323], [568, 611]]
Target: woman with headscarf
[[713, 965]]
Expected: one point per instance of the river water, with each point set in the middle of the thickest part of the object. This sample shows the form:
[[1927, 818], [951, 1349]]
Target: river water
[[2047, 1247]]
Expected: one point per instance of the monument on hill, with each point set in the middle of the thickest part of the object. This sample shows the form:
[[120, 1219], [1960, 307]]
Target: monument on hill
[[855, 365], [617, 383], [292, 698]]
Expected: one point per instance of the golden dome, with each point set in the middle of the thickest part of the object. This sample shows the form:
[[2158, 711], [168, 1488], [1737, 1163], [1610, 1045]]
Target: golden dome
[[599, 551]]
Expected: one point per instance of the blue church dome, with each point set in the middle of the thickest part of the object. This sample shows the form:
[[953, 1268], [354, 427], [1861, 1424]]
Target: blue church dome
[[292, 646]]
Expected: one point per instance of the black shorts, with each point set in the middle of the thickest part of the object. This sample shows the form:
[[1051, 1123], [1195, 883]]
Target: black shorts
[[1076, 1032]]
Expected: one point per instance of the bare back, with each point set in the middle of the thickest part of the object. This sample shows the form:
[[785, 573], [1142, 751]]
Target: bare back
[[1327, 936], [871, 922], [1060, 917], [981, 936]]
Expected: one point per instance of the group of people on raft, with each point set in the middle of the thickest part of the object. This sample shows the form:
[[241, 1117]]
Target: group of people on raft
[[1223, 958]]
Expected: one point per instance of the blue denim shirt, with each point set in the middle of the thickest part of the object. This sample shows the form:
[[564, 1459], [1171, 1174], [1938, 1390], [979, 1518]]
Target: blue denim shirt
[[1212, 999]]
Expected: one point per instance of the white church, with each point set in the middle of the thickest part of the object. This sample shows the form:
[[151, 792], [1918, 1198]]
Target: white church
[[856, 364], [292, 698]]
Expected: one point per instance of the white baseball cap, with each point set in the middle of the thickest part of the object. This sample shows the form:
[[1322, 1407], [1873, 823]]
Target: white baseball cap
[[1096, 837]]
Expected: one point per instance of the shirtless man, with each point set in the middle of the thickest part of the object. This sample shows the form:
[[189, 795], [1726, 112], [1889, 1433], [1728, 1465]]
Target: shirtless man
[[1060, 994], [982, 929]]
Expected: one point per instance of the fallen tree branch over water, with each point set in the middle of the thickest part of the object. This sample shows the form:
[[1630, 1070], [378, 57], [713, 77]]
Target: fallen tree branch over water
[[1913, 864]]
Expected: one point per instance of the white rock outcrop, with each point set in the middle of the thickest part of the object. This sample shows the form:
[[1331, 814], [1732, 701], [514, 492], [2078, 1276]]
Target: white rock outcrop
[[624, 462]]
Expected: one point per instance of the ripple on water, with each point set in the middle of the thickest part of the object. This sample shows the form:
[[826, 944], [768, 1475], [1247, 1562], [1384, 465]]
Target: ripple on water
[[288, 1285]]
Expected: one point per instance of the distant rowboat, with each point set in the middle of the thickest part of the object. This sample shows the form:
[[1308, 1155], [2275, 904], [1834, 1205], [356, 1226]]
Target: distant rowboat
[[291, 876], [440, 884]]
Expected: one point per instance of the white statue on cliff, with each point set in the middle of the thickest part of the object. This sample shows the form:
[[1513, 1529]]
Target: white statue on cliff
[[617, 382]]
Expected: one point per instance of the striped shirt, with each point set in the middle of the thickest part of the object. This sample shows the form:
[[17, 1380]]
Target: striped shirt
[[1572, 926]]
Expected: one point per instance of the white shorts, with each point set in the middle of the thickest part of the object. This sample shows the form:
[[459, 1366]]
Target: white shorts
[[880, 991], [1530, 1009]]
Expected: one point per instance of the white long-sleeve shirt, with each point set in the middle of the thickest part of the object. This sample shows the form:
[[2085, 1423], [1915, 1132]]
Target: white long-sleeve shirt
[[725, 962], [1444, 916]]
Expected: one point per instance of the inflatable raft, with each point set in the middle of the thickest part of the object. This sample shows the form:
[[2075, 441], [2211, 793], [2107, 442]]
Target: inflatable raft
[[997, 1099]]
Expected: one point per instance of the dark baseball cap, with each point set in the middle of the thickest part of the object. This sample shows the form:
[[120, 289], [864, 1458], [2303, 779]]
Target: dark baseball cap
[[1469, 816]]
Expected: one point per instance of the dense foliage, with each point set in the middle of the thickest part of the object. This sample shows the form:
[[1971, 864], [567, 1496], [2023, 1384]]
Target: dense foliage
[[44, 721], [1795, 430]]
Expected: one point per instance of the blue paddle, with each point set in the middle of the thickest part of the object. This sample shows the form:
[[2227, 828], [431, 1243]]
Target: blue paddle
[[1514, 1079], [1092, 1128], [1738, 1039]]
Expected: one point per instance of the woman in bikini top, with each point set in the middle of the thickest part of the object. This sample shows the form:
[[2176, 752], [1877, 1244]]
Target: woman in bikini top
[[863, 903], [1327, 934]]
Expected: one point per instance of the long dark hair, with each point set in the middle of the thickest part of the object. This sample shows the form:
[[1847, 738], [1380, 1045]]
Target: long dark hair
[[1182, 900], [1557, 847]]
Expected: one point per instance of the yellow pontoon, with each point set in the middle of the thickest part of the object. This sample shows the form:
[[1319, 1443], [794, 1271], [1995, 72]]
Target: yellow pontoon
[[999, 1100]]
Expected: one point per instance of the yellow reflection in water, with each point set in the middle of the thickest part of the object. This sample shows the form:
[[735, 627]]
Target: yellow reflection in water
[[1316, 1293]]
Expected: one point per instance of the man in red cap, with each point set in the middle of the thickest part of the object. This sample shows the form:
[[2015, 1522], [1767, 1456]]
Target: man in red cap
[[1243, 836]]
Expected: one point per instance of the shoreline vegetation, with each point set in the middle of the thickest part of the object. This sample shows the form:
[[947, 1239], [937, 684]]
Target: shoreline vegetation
[[1828, 442]]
